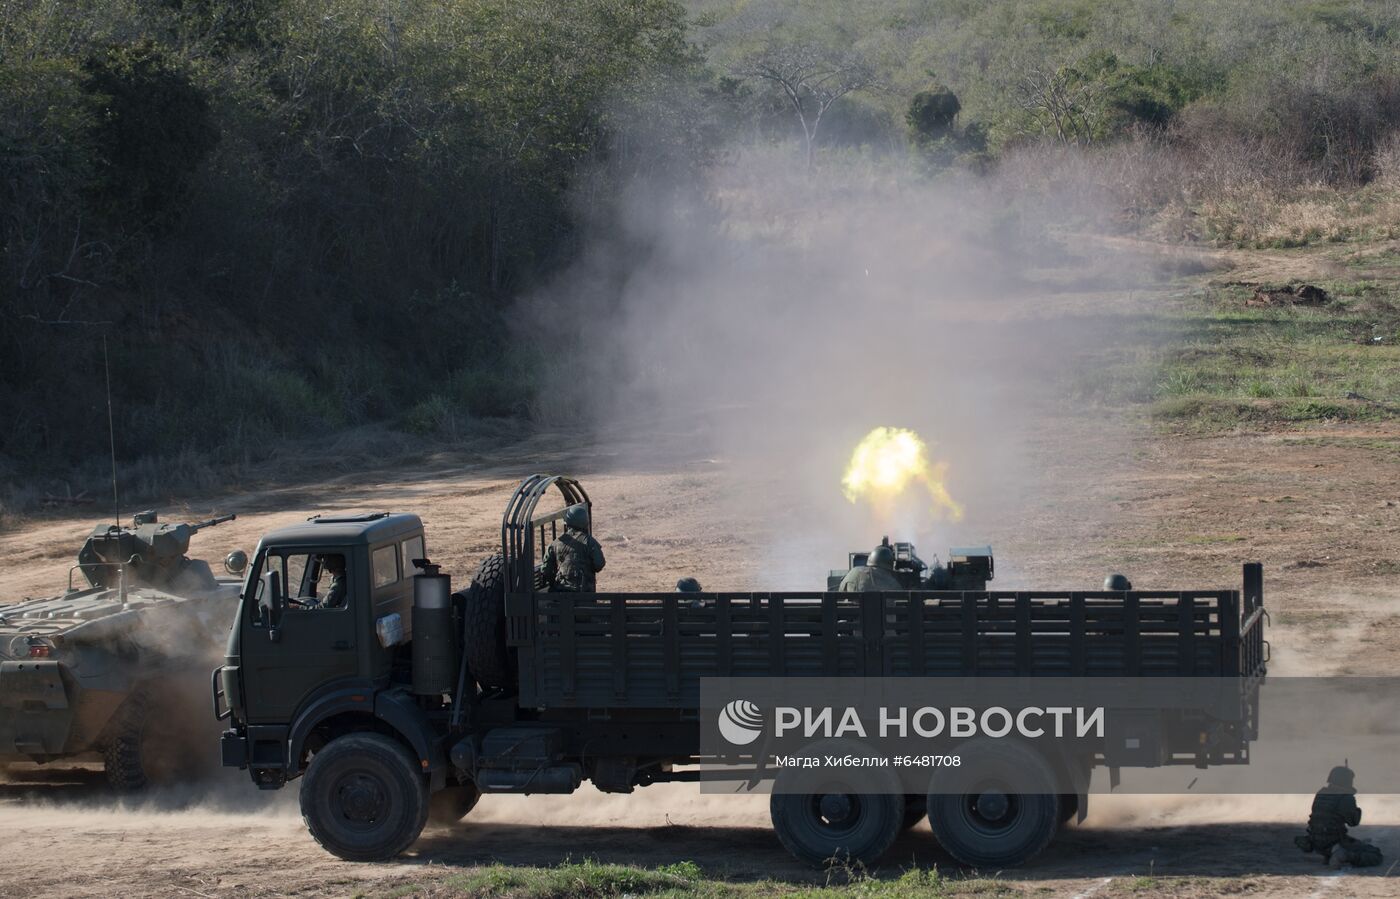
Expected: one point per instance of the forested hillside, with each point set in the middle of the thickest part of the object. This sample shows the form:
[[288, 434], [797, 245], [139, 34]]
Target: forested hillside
[[288, 217]]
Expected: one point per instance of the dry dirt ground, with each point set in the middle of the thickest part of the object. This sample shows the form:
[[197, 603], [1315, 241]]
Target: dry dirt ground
[[1169, 511]]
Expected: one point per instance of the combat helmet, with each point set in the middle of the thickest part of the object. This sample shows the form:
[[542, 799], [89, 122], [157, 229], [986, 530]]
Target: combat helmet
[[1117, 583], [1341, 777], [576, 517], [881, 557], [687, 585]]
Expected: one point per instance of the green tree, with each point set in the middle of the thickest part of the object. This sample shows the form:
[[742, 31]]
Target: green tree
[[153, 129]]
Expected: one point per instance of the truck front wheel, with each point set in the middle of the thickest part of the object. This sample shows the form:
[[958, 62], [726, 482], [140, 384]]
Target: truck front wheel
[[363, 798]]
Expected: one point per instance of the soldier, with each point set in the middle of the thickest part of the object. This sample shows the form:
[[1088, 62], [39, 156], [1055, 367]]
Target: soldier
[[1334, 809], [335, 596], [876, 574], [573, 560], [690, 585]]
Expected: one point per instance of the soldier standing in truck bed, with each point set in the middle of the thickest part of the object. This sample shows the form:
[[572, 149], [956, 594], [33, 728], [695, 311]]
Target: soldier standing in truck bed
[[876, 574], [573, 560]]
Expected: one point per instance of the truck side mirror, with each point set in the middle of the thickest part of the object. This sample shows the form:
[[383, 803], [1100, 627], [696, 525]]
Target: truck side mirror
[[270, 602]]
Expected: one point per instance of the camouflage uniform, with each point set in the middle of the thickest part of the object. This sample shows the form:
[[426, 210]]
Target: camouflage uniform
[[867, 577], [1333, 811], [572, 562], [334, 565], [335, 596]]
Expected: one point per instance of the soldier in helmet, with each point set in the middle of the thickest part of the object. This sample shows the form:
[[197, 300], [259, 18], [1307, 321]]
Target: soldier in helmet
[[1334, 809], [334, 563], [876, 574], [573, 560], [1117, 583], [692, 586]]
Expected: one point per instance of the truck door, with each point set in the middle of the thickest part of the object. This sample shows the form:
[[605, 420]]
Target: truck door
[[304, 637]]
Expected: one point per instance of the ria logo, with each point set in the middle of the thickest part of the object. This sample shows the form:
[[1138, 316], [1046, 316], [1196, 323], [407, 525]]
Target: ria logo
[[740, 722]]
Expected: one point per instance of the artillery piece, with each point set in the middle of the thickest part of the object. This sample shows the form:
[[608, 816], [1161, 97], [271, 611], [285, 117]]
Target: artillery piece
[[91, 672], [968, 568], [151, 552]]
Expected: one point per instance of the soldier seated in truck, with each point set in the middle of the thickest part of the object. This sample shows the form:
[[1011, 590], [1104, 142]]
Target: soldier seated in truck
[[305, 573], [876, 574], [335, 564]]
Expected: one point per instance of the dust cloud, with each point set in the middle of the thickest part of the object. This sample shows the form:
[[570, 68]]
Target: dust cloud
[[775, 316]]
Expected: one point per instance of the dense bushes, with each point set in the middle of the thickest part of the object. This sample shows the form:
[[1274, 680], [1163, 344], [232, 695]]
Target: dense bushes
[[290, 216]]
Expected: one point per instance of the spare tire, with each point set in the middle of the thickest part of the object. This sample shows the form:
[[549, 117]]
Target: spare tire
[[492, 663]]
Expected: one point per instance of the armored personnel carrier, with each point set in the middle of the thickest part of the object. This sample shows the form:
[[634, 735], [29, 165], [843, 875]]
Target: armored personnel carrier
[[90, 672]]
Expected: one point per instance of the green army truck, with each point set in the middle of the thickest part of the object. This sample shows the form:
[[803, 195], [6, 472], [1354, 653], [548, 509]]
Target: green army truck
[[403, 701]]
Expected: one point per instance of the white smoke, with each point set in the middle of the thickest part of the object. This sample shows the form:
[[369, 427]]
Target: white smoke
[[775, 316]]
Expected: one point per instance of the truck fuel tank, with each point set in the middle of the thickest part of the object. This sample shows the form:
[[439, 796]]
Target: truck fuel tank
[[434, 639]]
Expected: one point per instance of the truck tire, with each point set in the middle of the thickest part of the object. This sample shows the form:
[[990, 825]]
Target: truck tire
[[492, 663], [364, 798], [846, 818], [123, 746], [452, 803], [991, 827]]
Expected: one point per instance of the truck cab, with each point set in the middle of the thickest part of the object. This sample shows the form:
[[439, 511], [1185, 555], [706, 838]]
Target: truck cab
[[322, 615]]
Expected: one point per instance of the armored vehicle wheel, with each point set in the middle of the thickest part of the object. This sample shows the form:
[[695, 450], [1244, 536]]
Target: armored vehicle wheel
[[991, 826], [492, 662], [363, 798], [915, 808], [452, 803], [123, 755]]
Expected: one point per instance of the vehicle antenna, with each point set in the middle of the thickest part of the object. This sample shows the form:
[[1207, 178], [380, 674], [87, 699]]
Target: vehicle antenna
[[111, 433]]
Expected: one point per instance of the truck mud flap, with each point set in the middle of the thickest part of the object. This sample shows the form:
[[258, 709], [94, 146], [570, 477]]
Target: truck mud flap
[[35, 715]]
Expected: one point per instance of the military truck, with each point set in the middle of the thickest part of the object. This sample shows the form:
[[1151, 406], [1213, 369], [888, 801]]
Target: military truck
[[408, 701], [83, 673]]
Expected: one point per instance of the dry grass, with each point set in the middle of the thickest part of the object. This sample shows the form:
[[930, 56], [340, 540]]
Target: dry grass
[[1260, 217]]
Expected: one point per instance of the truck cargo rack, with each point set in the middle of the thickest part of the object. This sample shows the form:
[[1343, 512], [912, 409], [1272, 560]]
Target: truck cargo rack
[[651, 649]]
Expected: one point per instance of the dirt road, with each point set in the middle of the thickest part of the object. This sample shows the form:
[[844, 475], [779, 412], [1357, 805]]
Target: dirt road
[[1088, 491], [1185, 509]]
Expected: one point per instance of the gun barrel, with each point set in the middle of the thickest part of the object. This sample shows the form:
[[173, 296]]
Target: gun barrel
[[200, 525]]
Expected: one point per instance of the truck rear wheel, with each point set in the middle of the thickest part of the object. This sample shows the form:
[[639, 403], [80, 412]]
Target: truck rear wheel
[[484, 640], [837, 826], [990, 826], [837, 816], [364, 798]]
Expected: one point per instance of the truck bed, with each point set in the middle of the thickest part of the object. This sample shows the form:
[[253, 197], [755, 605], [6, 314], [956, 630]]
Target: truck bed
[[650, 650]]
